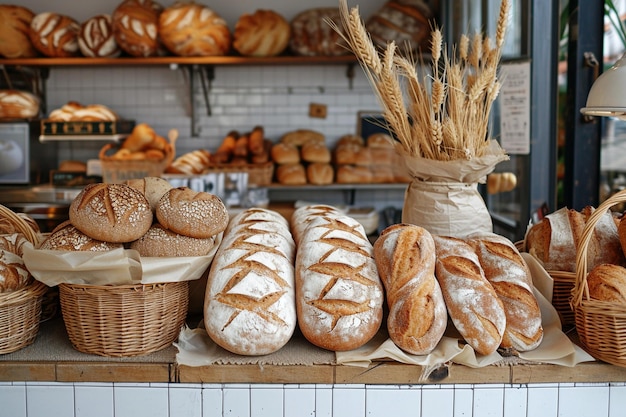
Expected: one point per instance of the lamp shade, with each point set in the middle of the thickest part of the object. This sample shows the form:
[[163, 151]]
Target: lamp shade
[[607, 96]]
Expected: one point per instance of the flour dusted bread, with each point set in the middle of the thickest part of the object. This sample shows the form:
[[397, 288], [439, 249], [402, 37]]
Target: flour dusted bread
[[262, 33], [249, 306], [66, 237], [339, 295], [55, 35], [510, 277], [192, 213], [111, 212], [135, 27], [153, 188], [607, 282], [303, 216], [192, 29], [160, 242], [15, 32], [405, 257], [95, 38], [472, 302]]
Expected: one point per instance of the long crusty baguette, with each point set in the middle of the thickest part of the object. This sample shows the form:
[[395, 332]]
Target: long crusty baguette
[[249, 305], [472, 303], [509, 275], [405, 257], [339, 295]]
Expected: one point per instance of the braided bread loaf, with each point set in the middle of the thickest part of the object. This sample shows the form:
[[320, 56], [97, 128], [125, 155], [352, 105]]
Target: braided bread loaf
[[249, 306], [339, 296]]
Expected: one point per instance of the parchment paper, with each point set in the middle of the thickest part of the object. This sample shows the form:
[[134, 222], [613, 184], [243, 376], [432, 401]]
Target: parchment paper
[[115, 267]]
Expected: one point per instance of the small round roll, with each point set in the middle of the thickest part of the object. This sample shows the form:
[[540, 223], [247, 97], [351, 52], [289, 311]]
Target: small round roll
[[160, 242], [111, 212], [192, 213]]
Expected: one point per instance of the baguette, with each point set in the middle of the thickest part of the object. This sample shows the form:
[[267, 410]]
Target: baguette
[[405, 257], [472, 303], [339, 295], [249, 306], [510, 277]]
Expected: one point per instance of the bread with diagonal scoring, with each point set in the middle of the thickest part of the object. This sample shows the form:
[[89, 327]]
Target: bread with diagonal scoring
[[249, 304], [405, 257], [339, 295], [472, 303]]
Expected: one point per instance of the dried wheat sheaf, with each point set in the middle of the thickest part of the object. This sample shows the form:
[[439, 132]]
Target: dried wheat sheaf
[[444, 113]]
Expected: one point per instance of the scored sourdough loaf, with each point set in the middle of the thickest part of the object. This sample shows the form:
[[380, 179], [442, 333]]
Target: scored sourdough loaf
[[262, 33], [405, 257], [66, 237], [302, 216], [111, 212], [249, 305], [160, 242], [339, 296], [192, 213], [472, 303], [510, 277]]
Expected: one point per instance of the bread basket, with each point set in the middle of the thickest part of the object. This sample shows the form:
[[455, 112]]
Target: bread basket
[[20, 310], [601, 325], [124, 320]]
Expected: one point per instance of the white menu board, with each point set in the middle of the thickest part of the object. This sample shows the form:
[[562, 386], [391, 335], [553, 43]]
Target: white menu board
[[515, 108]]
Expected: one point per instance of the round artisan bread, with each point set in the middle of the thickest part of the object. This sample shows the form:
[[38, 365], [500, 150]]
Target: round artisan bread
[[95, 38], [607, 282], [160, 242], [55, 35], [15, 32], [407, 22], [153, 188], [191, 29], [313, 36], [135, 27], [263, 33], [13, 243], [192, 213], [66, 237], [13, 272], [16, 104], [111, 212]]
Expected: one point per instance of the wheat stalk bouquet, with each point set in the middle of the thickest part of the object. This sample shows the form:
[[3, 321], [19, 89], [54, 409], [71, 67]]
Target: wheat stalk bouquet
[[444, 114]]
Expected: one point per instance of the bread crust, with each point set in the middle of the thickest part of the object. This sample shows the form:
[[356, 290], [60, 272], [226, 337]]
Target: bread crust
[[15, 32], [66, 237], [262, 33], [160, 242]]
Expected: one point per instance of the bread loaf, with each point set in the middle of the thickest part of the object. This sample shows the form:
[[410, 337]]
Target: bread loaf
[[406, 22], [249, 306], [607, 282], [510, 277], [111, 212], [304, 215], [153, 188], [55, 35], [95, 38], [192, 213], [192, 29], [284, 153], [291, 174], [352, 174], [15, 32], [301, 136], [13, 242], [472, 303], [339, 295], [192, 163], [262, 33], [160, 242], [13, 272], [135, 27], [66, 237], [16, 104], [320, 173], [313, 36], [314, 151], [405, 258]]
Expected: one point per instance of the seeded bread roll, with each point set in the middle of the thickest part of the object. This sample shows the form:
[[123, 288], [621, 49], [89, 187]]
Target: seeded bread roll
[[192, 213], [68, 238], [111, 212], [339, 295], [160, 242], [472, 303], [55, 35], [153, 188], [405, 257], [263, 33], [15, 32], [250, 295], [95, 38]]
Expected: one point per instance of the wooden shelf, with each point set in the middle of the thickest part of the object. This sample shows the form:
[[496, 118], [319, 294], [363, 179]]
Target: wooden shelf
[[176, 60]]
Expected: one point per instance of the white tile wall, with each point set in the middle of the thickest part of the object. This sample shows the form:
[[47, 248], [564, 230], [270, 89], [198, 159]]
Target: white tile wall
[[33, 399]]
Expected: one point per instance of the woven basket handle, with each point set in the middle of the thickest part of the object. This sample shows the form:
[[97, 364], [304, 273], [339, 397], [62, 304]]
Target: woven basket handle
[[581, 288], [20, 224]]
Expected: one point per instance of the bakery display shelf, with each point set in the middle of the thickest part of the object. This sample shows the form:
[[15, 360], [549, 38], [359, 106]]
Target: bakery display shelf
[[177, 60], [52, 358]]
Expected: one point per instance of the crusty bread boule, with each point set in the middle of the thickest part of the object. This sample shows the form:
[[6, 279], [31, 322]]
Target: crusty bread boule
[[153, 188], [55, 35], [192, 213], [160, 242], [262, 33], [15, 32], [66, 237], [111, 212]]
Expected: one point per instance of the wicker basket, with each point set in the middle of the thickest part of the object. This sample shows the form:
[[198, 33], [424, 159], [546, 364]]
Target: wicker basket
[[20, 311], [120, 170], [601, 325], [258, 174], [124, 320]]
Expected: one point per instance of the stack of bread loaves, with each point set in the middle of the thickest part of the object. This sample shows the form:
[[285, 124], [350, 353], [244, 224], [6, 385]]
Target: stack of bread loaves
[[302, 157], [147, 215]]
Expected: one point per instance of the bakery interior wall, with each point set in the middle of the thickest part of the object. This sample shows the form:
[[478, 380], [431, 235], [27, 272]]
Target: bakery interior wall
[[240, 97]]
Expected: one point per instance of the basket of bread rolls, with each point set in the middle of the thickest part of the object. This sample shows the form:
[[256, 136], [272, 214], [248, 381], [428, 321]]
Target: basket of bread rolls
[[144, 153], [123, 262], [599, 293], [555, 240], [20, 295]]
